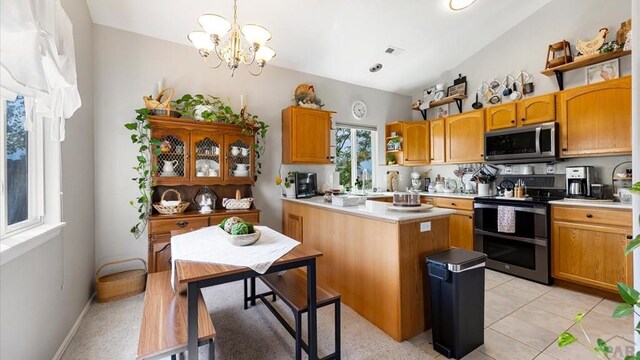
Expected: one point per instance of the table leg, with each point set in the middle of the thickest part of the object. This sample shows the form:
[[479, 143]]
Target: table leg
[[253, 291], [312, 316], [192, 320]]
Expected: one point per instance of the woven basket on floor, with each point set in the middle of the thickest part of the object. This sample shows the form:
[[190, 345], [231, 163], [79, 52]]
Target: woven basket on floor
[[121, 284]]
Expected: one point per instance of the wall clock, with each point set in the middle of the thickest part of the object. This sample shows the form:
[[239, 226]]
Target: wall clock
[[359, 110]]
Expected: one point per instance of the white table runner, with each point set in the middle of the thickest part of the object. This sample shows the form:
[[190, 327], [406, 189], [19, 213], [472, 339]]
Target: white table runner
[[209, 245]]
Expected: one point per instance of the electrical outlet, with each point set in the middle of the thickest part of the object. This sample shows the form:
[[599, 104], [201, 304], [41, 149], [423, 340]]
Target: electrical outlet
[[425, 226], [507, 169], [551, 169]]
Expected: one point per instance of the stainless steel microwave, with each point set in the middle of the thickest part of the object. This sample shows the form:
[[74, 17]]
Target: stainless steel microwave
[[526, 144]]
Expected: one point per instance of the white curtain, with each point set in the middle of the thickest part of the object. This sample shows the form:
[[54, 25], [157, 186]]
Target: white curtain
[[37, 61]]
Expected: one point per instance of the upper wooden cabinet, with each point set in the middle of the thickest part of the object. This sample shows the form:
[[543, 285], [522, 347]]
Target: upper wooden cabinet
[[437, 141], [306, 136], [464, 136], [200, 153], [536, 110], [501, 116], [528, 111], [416, 143], [596, 119]]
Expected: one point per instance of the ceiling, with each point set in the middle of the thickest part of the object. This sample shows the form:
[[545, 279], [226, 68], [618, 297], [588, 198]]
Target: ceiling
[[340, 39]]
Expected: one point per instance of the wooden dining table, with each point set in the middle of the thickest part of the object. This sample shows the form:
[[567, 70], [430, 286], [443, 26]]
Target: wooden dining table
[[198, 275]]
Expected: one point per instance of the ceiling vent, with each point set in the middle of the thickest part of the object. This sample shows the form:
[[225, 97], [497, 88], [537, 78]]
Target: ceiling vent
[[375, 68], [392, 50]]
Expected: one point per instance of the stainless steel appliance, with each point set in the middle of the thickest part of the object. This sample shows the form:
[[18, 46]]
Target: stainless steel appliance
[[579, 180], [306, 184], [526, 144], [526, 251]]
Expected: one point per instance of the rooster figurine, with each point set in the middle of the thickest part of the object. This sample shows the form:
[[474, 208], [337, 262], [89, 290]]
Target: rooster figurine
[[591, 47]]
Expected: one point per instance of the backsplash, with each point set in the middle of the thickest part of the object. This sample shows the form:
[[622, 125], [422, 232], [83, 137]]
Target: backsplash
[[604, 166]]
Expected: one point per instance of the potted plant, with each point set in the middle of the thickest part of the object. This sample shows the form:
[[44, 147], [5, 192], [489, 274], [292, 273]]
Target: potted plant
[[391, 160]]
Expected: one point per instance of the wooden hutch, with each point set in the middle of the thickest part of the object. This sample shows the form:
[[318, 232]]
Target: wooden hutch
[[201, 154]]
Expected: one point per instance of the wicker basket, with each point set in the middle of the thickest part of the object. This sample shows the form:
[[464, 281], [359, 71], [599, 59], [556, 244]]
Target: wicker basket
[[121, 284], [243, 240], [171, 210]]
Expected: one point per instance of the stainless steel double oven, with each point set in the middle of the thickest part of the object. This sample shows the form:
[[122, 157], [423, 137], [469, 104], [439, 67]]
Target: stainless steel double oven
[[525, 252]]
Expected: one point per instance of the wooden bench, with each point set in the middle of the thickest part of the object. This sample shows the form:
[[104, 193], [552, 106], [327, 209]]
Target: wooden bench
[[291, 287], [163, 330]]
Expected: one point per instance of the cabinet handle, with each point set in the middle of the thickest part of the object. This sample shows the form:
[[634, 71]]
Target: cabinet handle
[[523, 120], [513, 121], [432, 159], [470, 217], [629, 237], [564, 149], [327, 158], [481, 155], [182, 224], [453, 204], [589, 216]]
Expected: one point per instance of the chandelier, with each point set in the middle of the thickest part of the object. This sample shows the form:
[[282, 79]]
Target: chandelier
[[228, 42]]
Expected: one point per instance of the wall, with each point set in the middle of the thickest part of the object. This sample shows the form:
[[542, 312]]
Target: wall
[[127, 66], [525, 46], [43, 292], [636, 149]]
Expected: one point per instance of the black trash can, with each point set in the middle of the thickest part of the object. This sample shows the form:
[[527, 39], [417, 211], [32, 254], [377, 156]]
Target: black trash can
[[457, 301]]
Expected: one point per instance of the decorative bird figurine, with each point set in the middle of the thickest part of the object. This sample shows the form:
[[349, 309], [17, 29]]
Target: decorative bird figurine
[[591, 47]]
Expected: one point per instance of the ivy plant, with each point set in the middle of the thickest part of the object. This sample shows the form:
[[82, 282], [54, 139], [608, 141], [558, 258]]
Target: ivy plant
[[631, 305], [146, 145]]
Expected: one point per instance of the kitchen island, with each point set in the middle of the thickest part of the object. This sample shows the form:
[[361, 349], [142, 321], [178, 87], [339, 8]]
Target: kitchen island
[[373, 256]]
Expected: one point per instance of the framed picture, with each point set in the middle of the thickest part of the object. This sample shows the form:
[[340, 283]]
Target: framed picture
[[459, 89], [442, 111], [603, 71]]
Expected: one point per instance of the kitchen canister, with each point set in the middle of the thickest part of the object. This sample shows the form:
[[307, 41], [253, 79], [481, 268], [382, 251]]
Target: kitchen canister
[[483, 190]]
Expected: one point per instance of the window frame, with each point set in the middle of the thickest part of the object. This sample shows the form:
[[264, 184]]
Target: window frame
[[354, 159], [35, 176]]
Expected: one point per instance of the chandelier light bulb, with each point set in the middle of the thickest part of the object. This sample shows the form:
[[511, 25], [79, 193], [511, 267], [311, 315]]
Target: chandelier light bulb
[[202, 41], [460, 4], [214, 24], [256, 34], [264, 54]]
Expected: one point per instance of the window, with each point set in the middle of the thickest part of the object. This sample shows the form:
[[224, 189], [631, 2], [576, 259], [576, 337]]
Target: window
[[21, 170], [355, 154]]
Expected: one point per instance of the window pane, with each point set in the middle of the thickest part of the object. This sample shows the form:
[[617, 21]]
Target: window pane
[[17, 155], [363, 151], [343, 155]]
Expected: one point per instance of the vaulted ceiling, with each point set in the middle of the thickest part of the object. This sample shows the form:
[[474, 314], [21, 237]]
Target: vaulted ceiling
[[339, 39]]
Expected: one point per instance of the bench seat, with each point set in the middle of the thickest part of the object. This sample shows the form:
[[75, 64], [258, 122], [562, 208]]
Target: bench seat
[[163, 330]]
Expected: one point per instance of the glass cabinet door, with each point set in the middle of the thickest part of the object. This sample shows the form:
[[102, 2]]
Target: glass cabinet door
[[206, 151], [239, 154], [172, 162]]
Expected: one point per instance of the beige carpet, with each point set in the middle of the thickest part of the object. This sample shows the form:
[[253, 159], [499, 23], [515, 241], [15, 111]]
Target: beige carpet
[[110, 331]]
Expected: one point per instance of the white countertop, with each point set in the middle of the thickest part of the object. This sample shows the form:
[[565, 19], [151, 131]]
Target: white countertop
[[374, 195], [374, 209], [598, 204]]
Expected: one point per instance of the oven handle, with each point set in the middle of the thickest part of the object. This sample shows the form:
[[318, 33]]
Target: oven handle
[[514, 238], [535, 210]]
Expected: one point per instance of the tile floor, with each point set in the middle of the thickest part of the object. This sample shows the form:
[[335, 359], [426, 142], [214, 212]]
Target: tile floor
[[523, 320]]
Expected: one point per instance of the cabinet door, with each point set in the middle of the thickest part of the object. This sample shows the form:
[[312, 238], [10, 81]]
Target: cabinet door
[[465, 137], [416, 146], [205, 157], [437, 141], [161, 256], [501, 117], [461, 230], [238, 164], [253, 218], [293, 227], [591, 255], [306, 135], [596, 119], [537, 109], [173, 160]]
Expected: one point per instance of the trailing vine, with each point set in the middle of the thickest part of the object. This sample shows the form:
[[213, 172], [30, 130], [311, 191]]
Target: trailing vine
[[144, 168]]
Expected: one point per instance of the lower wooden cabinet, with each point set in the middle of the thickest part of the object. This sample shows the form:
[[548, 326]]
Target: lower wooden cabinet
[[160, 227], [591, 253], [293, 226], [461, 230]]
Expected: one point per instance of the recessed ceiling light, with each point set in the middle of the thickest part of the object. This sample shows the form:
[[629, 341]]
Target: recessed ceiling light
[[375, 68], [460, 4]]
